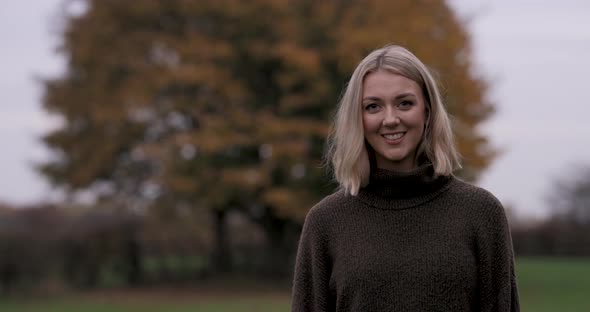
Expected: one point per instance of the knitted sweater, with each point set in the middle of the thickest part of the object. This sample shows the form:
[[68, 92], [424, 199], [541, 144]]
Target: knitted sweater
[[406, 242]]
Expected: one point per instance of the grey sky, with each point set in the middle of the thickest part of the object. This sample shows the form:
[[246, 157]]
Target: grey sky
[[535, 54], [27, 52]]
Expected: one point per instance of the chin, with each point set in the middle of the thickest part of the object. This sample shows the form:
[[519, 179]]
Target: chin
[[396, 158]]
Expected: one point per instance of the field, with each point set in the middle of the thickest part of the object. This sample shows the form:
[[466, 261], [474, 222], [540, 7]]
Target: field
[[548, 285], [545, 285], [156, 300]]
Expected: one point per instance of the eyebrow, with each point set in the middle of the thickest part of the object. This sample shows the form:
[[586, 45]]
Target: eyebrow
[[399, 96]]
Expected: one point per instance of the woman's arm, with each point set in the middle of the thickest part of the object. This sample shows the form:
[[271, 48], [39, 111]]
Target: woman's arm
[[497, 279], [312, 268]]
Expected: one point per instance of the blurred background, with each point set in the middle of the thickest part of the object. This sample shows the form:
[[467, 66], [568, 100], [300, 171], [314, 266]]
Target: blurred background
[[162, 155]]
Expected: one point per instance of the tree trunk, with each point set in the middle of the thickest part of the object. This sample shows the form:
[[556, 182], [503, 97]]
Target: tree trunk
[[282, 239], [221, 257], [133, 259]]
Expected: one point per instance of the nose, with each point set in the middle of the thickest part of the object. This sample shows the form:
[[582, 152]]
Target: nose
[[391, 119]]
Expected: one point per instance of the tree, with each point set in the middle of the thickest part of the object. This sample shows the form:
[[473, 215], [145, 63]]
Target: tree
[[226, 104], [569, 225], [570, 198], [566, 231]]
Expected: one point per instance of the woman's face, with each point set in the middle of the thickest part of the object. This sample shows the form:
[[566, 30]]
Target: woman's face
[[393, 119]]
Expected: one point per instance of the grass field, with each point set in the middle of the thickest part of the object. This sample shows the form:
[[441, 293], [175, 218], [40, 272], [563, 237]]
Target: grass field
[[545, 285], [548, 285], [157, 300]]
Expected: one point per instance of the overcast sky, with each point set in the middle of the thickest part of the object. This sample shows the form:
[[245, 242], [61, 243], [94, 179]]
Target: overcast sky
[[536, 54]]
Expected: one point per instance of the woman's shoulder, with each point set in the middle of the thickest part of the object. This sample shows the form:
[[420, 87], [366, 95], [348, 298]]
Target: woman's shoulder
[[321, 216], [331, 202], [478, 198], [329, 206]]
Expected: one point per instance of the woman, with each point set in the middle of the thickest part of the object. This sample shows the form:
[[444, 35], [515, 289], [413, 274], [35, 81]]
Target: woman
[[402, 234]]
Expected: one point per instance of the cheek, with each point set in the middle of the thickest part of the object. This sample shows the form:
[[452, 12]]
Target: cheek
[[369, 124], [419, 121], [366, 125]]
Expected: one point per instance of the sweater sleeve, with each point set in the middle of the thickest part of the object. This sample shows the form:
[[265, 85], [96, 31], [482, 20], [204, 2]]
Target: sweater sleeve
[[497, 279], [312, 267]]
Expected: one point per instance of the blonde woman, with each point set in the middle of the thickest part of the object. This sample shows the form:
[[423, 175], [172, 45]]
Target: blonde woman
[[402, 233]]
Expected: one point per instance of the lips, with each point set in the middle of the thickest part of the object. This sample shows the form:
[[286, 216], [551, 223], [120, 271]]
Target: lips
[[394, 136]]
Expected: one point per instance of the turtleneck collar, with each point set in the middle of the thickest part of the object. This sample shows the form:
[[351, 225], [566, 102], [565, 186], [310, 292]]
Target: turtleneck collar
[[401, 190]]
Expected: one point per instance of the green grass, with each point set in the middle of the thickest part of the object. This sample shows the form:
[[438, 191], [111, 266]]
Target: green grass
[[545, 285], [548, 285], [144, 303], [83, 306]]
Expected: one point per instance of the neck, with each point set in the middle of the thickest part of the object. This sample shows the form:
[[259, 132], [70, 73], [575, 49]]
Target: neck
[[403, 189], [404, 166]]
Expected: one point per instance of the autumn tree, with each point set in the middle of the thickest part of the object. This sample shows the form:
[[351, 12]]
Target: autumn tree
[[226, 104]]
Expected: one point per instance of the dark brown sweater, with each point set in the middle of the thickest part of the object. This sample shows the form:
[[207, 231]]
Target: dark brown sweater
[[407, 242]]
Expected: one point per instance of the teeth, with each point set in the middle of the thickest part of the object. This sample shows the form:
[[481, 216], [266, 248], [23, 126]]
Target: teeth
[[394, 136]]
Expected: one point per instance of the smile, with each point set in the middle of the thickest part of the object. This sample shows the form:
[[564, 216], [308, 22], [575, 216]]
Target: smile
[[394, 136]]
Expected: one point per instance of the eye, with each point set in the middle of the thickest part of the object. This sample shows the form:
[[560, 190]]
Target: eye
[[406, 104], [372, 107]]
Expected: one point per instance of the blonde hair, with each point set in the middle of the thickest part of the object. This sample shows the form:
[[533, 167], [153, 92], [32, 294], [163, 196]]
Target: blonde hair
[[346, 144]]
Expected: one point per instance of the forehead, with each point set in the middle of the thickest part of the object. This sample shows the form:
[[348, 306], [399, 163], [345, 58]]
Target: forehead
[[383, 81]]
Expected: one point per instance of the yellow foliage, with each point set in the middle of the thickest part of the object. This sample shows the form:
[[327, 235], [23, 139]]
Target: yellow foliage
[[247, 75], [287, 203], [248, 178]]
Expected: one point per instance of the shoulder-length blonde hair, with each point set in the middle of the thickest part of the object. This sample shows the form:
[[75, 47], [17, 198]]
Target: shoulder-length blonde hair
[[346, 144]]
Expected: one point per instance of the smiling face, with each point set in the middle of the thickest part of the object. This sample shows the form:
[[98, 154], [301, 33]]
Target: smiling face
[[394, 116]]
